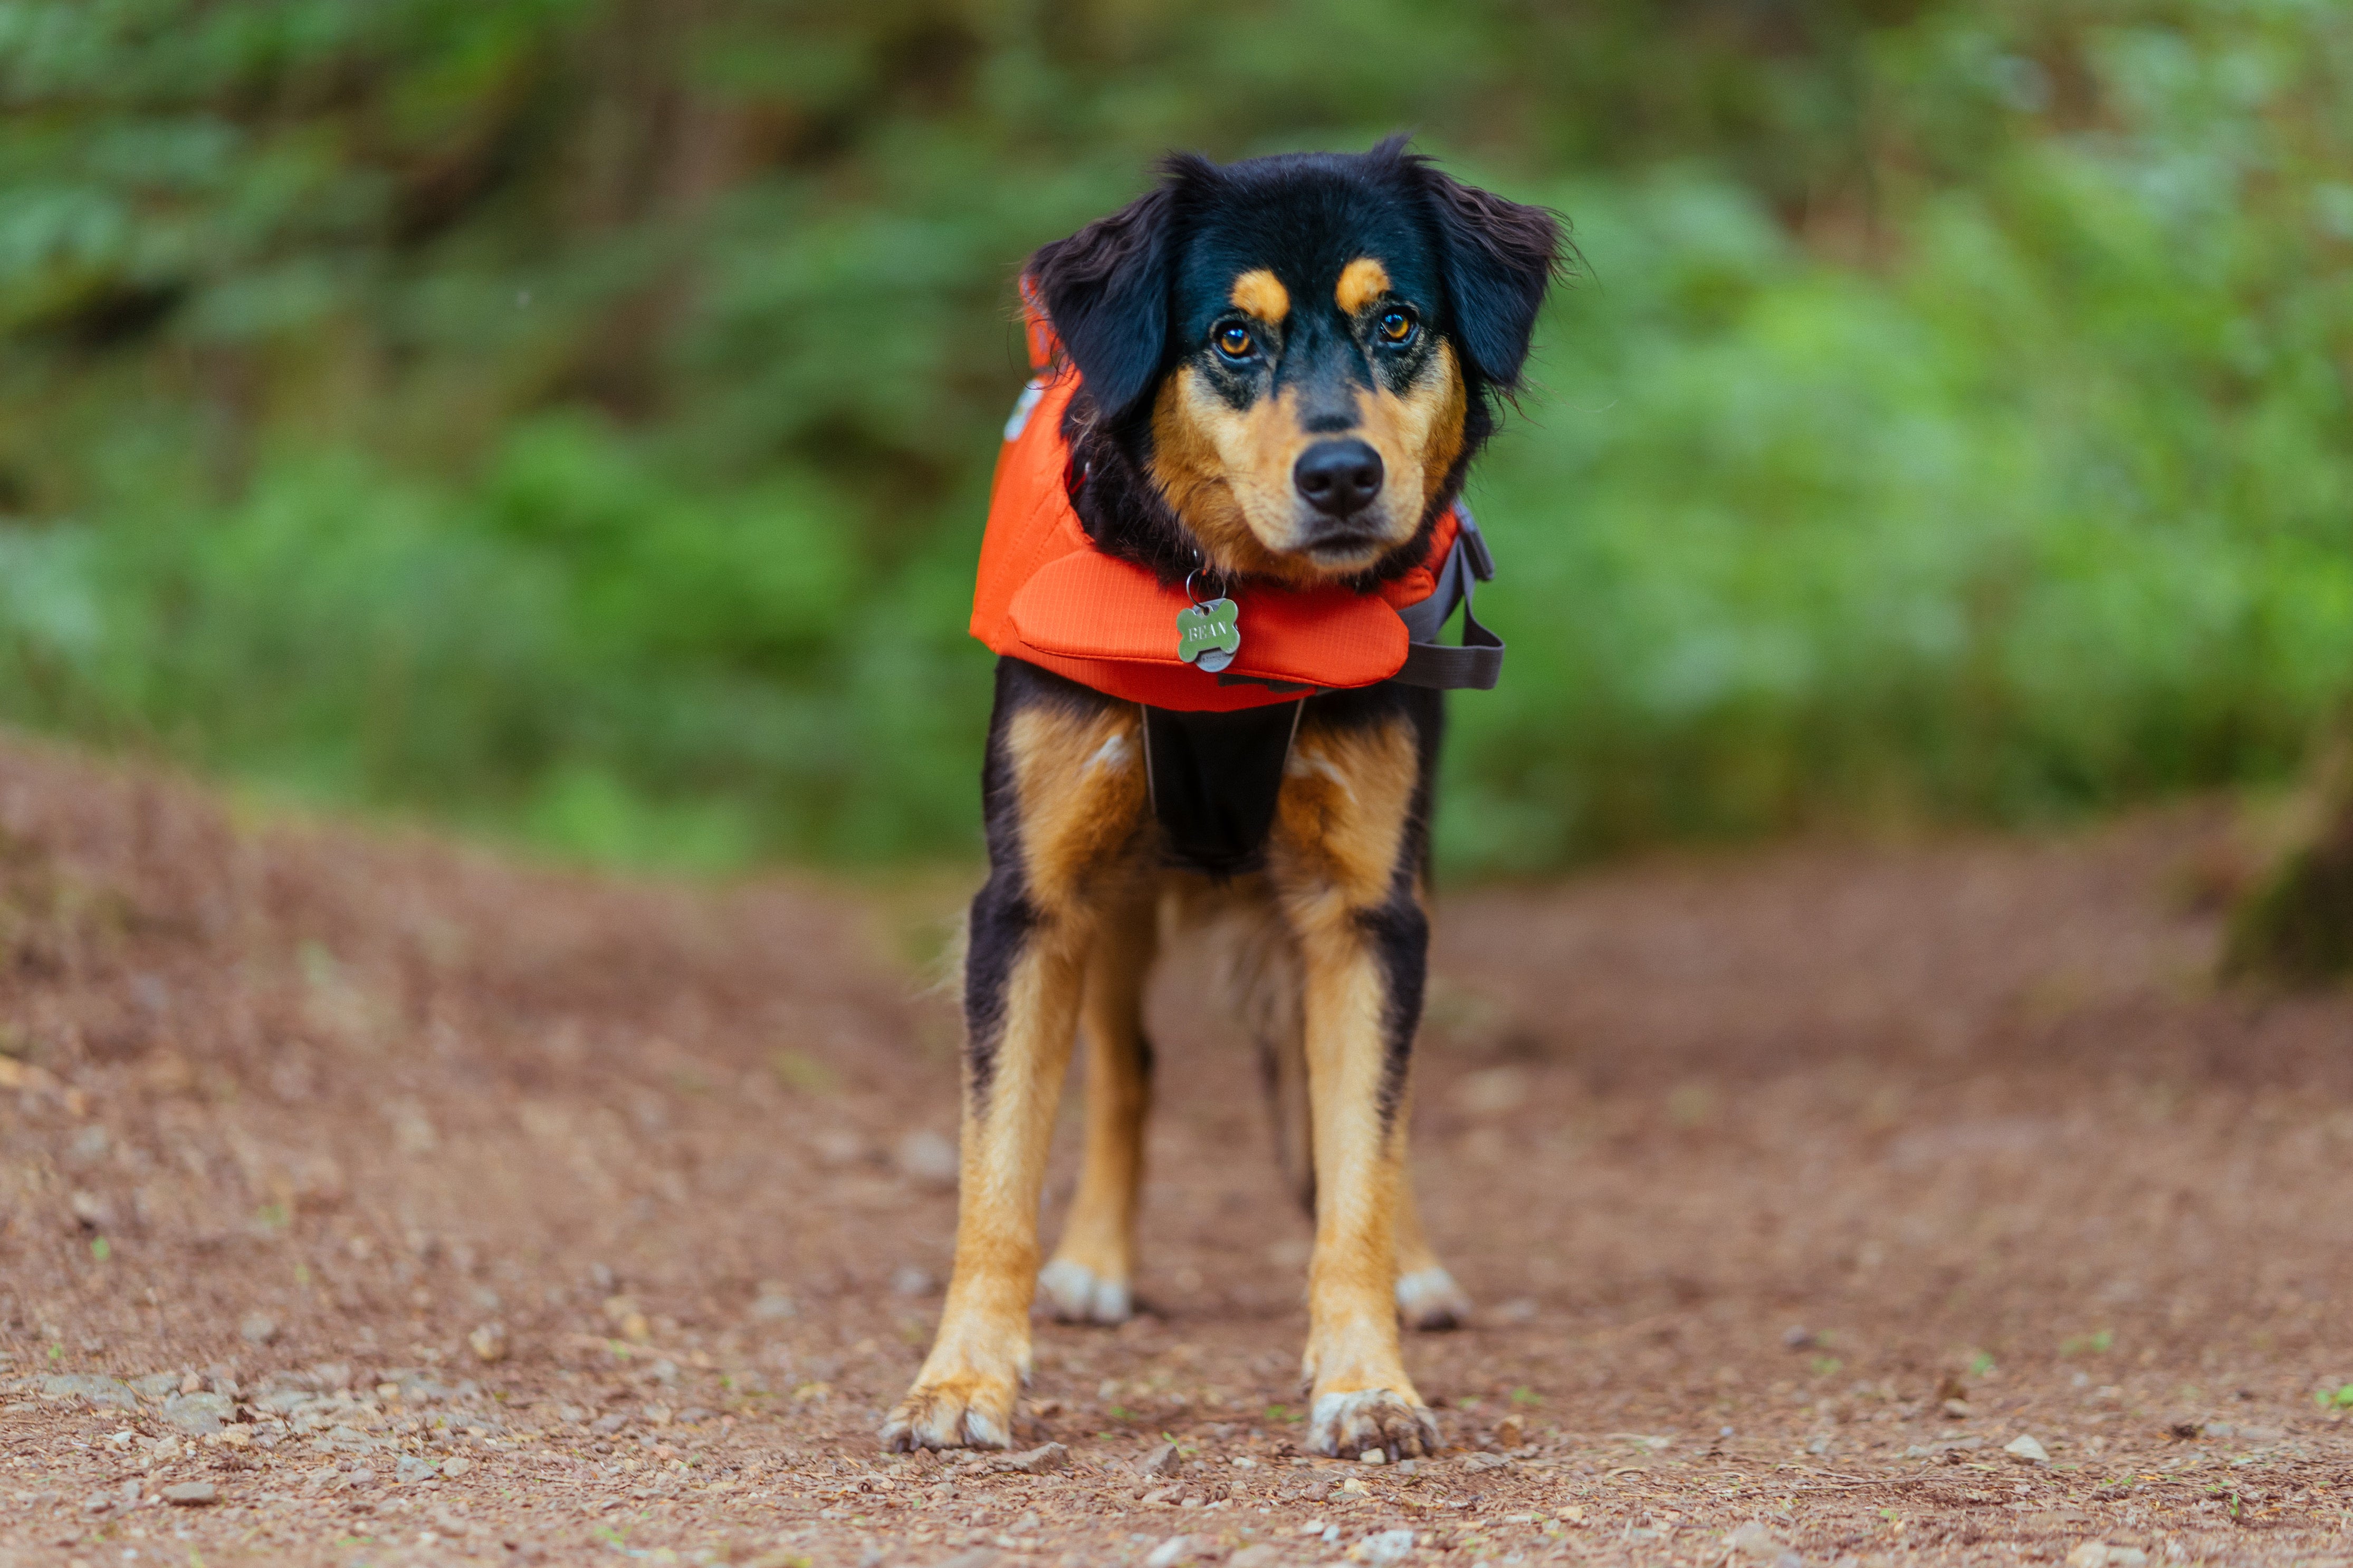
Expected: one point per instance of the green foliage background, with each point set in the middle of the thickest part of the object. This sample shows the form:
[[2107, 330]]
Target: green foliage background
[[573, 417]]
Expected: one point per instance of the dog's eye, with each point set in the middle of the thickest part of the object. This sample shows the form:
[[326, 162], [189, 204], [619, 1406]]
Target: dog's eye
[[1235, 342], [1396, 326]]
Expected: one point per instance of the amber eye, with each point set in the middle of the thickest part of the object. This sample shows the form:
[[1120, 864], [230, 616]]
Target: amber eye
[[1234, 342], [1396, 326]]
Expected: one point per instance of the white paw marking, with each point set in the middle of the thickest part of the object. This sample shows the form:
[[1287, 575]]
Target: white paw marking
[[1077, 1295], [1430, 1299], [981, 1431], [939, 1421], [1347, 1425]]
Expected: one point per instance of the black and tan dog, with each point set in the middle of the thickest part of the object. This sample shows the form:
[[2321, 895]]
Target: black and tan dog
[[1288, 365]]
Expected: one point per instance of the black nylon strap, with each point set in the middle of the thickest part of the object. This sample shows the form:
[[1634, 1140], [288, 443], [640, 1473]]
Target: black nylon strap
[[1213, 778], [1476, 664]]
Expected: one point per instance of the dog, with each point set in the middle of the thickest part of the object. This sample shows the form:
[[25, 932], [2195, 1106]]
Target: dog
[[1284, 367]]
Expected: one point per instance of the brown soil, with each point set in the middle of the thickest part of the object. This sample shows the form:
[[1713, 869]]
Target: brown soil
[[1793, 1187]]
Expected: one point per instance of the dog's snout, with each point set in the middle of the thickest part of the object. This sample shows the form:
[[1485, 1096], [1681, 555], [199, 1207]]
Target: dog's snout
[[1338, 478]]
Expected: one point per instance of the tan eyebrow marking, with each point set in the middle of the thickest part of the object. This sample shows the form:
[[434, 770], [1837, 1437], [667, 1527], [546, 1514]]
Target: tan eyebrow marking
[[1362, 281], [1262, 293]]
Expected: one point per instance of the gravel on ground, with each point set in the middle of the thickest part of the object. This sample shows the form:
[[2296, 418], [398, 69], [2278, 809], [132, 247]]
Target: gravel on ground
[[366, 1199]]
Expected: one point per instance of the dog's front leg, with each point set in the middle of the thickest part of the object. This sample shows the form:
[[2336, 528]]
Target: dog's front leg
[[1090, 1279], [1347, 863], [1065, 795]]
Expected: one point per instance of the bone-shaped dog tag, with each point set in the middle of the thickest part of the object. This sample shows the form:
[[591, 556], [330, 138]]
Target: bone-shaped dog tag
[[1209, 635]]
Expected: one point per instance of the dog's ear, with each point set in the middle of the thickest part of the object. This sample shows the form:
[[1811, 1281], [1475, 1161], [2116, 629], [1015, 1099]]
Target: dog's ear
[[1105, 289], [1500, 258]]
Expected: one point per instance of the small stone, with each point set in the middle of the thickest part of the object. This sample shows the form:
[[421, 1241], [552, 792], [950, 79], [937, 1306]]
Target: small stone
[[155, 1385], [1179, 1549], [344, 1439], [1161, 1461], [91, 1388], [977, 1557], [1474, 1463], [489, 1343], [408, 1468], [359, 1477], [1754, 1540], [1036, 1461], [908, 1279], [199, 1414], [1384, 1550], [1510, 1432], [774, 1305], [92, 1212], [1797, 1337], [839, 1146], [1373, 1457], [928, 1158], [1957, 1409], [456, 1466], [192, 1494], [256, 1328], [2100, 1554], [99, 1502], [2026, 1450]]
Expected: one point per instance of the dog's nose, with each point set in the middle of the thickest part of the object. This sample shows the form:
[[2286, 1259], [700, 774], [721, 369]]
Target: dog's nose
[[1338, 477]]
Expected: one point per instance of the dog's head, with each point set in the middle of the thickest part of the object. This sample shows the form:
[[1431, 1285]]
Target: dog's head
[[1300, 351]]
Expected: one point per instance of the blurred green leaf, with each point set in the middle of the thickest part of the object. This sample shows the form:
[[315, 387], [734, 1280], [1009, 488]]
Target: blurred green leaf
[[574, 418]]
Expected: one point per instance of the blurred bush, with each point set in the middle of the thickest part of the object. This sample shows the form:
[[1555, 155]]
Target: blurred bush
[[573, 419]]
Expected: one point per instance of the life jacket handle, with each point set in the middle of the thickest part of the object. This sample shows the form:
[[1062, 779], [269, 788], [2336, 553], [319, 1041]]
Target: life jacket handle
[[1045, 348], [1478, 663]]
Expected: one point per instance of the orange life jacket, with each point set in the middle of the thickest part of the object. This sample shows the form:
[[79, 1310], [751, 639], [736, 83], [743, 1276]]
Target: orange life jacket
[[1045, 593]]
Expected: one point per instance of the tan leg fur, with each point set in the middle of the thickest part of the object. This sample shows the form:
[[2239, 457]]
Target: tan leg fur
[[1334, 860], [1427, 1296], [1091, 1278], [1079, 780]]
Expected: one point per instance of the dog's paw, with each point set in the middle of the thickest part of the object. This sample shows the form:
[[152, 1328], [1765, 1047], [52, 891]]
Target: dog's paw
[[1074, 1293], [1429, 1299], [967, 1411], [1348, 1426]]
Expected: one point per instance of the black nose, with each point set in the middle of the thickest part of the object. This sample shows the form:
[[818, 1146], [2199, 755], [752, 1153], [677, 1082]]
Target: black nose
[[1338, 477]]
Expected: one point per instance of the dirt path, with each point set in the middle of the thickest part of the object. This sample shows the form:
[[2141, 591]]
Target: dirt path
[[1792, 1187]]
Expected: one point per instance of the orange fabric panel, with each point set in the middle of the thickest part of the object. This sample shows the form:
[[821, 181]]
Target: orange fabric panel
[[1046, 594]]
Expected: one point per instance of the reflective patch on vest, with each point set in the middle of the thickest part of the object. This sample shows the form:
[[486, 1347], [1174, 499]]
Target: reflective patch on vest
[[1023, 406]]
